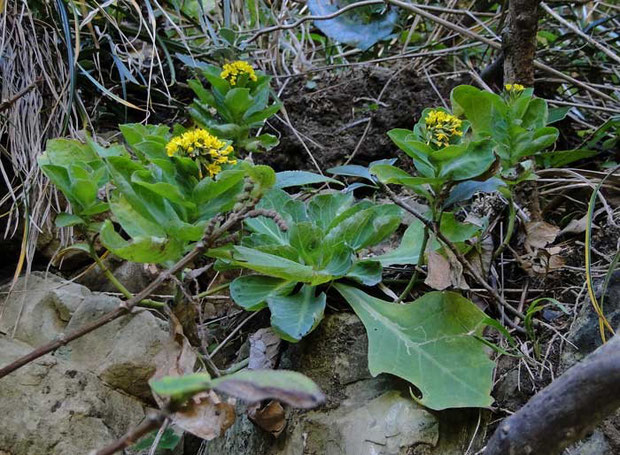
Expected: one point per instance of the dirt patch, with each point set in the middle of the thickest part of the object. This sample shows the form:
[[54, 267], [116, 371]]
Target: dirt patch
[[331, 112]]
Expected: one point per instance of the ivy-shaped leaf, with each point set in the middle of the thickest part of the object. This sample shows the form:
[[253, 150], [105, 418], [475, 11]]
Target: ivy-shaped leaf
[[431, 343]]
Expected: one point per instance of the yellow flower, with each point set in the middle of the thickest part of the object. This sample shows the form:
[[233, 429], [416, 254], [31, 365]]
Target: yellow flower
[[442, 127], [231, 71], [210, 151], [514, 88]]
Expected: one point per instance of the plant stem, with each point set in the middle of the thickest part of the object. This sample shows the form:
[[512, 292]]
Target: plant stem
[[146, 303], [512, 215], [211, 291], [414, 277], [109, 275], [461, 258]]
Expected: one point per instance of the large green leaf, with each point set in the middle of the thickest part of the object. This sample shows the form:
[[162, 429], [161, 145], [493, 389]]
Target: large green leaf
[[486, 111], [465, 161], [407, 141], [287, 179], [294, 316], [151, 250], [252, 291], [367, 273], [430, 342], [367, 227], [409, 249], [324, 208], [307, 239], [276, 266], [63, 152]]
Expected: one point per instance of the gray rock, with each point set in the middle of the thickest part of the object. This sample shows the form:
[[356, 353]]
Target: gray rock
[[121, 353], [38, 308], [584, 333], [595, 444], [54, 407], [362, 416], [133, 275]]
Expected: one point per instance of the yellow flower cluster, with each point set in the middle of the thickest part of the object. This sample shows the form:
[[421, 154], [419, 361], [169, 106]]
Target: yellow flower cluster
[[208, 149], [514, 88], [231, 71], [442, 127]]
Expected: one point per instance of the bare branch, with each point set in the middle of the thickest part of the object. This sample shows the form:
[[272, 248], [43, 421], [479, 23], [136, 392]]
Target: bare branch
[[462, 259], [210, 236], [566, 410], [313, 18]]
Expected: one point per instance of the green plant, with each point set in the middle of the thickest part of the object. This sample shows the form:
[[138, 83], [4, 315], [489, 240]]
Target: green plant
[[237, 102], [516, 122], [162, 203], [299, 248]]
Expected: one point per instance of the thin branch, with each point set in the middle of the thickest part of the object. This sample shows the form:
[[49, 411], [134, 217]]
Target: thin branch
[[462, 259], [495, 45], [611, 54], [211, 235], [566, 410], [8, 103], [152, 422], [313, 18]]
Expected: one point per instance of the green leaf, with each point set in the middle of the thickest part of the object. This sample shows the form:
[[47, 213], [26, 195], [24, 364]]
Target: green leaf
[[67, 219], [352, 170], [261, 175], [367, 227], [486, 111], [409, 249], [418, 151], [290, 387], [238, 100], [294, 316], [163, 189], [323, 209], [307, 239], [389, 174], [561, 158], [367, 273], [430, 343], [465, 161], [259, 143], [465, 190], [208, 189], [287, 179], [253, 118], [252, 291], [151, 250], [181, 386], [277, 266], [168, 441], [64, 152], [531, 142]]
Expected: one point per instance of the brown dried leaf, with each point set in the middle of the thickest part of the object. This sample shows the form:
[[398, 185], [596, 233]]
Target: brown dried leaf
[[176, 357], [438, 272], [206, 416], [444, 272], [547, 260], [539, 234], [481, 256], [264, 349], [270, 417]]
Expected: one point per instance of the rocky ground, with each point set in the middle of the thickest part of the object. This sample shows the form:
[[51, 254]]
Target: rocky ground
[[90, 392]]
